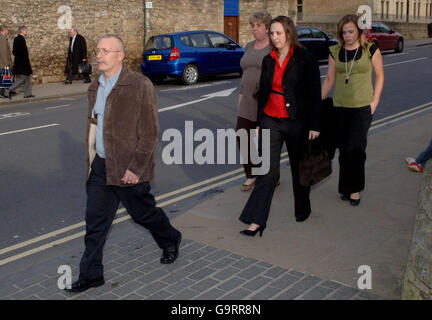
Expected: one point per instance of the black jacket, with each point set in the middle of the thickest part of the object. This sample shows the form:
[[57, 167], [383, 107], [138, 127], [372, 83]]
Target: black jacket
[[79, 53], [301, 87], [21, 61]]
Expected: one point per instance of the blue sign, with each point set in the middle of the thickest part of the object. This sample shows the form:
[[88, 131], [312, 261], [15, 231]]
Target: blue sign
[[231, 8]]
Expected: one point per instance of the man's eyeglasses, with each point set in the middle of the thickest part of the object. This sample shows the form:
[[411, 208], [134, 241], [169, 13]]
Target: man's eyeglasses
[[103, 51]]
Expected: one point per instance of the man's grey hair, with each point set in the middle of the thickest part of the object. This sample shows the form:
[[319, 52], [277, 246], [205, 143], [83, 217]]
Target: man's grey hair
[[3, 27], [113, 36], [21, 28], [74, 29]]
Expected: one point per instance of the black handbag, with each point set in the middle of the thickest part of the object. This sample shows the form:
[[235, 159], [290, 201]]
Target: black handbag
[[315, 166], [84, 68]]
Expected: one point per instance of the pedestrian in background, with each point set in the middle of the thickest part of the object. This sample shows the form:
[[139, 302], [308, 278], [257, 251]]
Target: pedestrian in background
[[77, 53], [355, 99], [21, 67], [418, 164], [289, 102], [122, 133], [5, 51], [251, 63]]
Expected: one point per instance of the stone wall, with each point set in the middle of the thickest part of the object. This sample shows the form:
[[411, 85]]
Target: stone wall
[[418, 276], [48, 43]]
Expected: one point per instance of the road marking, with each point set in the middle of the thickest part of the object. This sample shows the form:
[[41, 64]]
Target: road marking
[[392, 64], [376, 124], [413, 60], [197, 86], [118, 220], [223, 93], [13, 115], [55, 107], [29, 129]]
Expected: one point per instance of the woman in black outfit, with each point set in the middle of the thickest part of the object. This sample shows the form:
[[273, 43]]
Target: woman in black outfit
[[289, 101]]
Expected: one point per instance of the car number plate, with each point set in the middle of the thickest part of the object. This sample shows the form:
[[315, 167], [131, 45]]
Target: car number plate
[[155, 57]]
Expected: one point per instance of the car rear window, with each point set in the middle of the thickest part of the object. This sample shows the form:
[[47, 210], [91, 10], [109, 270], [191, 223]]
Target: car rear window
[[159, 43]]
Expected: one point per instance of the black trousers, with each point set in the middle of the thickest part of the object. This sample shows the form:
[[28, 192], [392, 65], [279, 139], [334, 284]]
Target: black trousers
[[352, 125], [102, 204], [295, 136], [70, 75], [243, 123]]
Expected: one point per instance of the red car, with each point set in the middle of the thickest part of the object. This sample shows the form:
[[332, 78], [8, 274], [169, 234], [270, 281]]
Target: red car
[[385, 37]]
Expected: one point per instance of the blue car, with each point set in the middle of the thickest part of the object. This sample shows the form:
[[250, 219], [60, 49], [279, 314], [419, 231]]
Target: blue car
[[188, 55]]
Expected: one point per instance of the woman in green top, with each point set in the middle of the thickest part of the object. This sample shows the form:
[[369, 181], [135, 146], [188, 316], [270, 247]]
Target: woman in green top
[[355, 99]]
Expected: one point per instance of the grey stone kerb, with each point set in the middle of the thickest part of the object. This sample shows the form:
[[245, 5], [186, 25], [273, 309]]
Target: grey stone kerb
[[418, 276]]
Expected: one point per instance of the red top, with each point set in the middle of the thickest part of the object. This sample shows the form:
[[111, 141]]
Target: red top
[[275, 106]]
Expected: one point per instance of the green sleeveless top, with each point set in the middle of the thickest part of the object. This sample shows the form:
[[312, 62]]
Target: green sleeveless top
[[358, 92]]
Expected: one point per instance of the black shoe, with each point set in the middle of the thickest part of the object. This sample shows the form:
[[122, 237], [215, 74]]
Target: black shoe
[[87, 81], [68, 82], [302, 218], [9, 95], [252, 233], [344, 197], [30, 96], [82, 285], [170, 255], [354, 202]]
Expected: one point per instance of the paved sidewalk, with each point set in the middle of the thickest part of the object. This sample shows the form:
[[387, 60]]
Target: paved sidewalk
[[316, 259]]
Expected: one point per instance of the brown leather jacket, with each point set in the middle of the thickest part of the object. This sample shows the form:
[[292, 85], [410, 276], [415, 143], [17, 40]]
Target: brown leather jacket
[[131, 127]]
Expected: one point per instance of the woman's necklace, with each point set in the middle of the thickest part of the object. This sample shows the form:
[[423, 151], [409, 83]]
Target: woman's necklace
[[347, 74]]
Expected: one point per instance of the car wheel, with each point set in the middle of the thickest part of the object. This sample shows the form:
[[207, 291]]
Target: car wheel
[[190, 74], [400, 46]]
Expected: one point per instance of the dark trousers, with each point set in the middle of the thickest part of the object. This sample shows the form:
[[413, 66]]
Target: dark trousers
[[352, 126], [70, 75], [295, 136], [243, 123], [102, 204]]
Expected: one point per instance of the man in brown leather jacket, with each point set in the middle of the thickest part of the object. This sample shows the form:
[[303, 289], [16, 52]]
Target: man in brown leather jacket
[[122, 134], [5, 51]]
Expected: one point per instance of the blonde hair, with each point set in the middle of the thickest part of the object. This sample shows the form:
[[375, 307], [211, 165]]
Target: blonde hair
[[261, 16]]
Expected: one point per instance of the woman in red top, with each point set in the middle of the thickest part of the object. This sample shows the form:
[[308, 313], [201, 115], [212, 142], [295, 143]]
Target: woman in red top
[[289, 102]]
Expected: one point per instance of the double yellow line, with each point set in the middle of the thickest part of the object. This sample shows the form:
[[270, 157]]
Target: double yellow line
[[178, 195]]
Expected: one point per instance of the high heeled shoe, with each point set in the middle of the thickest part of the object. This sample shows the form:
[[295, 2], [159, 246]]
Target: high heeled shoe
[[252, 233]]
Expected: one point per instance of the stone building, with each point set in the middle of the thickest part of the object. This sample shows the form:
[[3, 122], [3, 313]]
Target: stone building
[[137, 20]]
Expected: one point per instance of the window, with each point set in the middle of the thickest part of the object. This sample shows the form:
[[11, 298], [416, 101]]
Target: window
[[159, 43], [387, 7], [299, 10], [382, 9], [401, 10], [219, 41], [304, 34], [199, 40], [397, 10], [186, 40], [316, 33]]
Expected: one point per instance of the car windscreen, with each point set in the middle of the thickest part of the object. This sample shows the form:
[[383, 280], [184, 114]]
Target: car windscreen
[[159, 43]]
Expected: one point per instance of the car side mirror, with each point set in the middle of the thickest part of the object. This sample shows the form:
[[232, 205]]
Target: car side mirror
[[232, 46]]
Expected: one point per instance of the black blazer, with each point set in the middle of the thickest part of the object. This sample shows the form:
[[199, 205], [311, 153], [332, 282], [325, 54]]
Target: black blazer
[[79, 53], [301, 85], [21, 61]]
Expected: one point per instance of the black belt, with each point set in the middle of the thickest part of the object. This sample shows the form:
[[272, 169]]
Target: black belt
[[277, 92]]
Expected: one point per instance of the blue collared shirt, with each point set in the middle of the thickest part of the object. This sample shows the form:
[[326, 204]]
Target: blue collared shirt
[[99, 110]]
